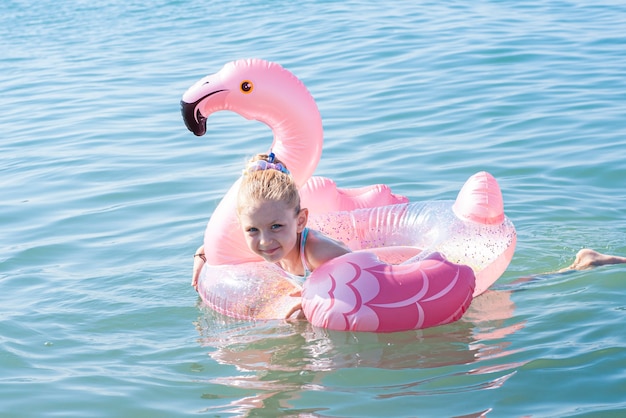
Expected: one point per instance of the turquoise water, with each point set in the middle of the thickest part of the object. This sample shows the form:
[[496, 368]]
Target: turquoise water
[[105, 196]]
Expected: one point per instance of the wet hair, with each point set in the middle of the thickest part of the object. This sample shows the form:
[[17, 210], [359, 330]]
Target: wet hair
[[267, 179]]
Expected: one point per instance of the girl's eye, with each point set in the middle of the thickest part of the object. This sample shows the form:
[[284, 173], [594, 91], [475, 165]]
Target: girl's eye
[[276, 226], [251, 230]]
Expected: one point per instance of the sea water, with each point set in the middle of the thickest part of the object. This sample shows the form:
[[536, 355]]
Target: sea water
[[105, 195]]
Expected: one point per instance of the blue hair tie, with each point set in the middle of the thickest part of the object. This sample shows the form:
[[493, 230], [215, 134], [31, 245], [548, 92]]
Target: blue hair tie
[[261, 165]]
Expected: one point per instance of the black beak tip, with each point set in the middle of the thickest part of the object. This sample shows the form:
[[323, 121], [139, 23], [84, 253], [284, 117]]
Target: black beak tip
[[194, 121]]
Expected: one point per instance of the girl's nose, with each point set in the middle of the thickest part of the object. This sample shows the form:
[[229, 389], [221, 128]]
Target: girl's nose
[[264, 239]]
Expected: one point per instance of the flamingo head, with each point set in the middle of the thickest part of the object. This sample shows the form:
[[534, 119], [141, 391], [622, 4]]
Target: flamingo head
[[263, 91], [254, 88]]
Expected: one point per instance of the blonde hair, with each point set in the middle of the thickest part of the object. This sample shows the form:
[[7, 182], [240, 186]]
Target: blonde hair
[[267, 184]]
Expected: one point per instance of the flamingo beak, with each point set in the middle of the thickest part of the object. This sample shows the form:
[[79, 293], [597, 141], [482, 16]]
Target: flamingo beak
[[194, 120]]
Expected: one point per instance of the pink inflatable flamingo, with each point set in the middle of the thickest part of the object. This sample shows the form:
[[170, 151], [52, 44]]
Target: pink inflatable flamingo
[[415, 265]]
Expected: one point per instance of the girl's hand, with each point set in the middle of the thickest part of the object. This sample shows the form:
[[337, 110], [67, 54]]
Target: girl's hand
[[198, 261], [296, 308]]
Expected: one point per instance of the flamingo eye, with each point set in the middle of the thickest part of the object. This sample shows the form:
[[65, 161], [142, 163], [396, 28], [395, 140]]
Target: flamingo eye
[[247, 86]]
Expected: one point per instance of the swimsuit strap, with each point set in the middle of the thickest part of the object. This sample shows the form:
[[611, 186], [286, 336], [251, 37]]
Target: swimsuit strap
[[305, 266]]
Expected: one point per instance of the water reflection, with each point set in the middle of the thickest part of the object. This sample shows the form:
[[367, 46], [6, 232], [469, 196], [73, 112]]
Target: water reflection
[[281, 345], [278, 360]]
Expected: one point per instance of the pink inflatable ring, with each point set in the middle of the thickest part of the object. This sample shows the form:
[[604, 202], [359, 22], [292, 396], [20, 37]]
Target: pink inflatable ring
[[414, 265]]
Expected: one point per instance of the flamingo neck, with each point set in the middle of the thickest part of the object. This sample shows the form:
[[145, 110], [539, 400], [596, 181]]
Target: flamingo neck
[[298, 138]]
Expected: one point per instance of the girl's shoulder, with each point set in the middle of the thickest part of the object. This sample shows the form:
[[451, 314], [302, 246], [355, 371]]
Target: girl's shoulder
[[321, 248]]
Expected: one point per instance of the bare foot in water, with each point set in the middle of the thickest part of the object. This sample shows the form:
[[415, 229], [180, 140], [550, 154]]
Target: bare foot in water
[[588, 258]]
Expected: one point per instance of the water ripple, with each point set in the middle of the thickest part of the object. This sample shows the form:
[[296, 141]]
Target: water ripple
[[106, 195]]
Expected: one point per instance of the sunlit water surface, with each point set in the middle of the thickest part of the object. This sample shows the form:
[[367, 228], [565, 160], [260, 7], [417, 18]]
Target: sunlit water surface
[[105, 195]]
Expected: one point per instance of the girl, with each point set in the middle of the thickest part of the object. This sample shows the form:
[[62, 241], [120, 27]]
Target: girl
[[274, 224]]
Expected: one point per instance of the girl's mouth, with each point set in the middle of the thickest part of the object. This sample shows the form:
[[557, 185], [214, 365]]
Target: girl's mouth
[[270, 252]]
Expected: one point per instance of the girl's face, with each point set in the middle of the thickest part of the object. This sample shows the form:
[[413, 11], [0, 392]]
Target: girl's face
[[271, 229]]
